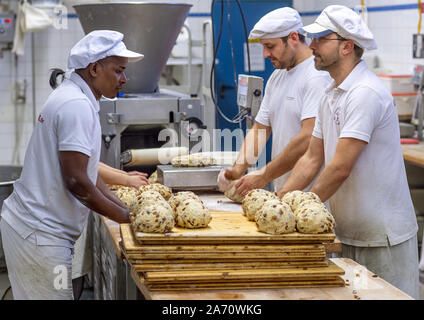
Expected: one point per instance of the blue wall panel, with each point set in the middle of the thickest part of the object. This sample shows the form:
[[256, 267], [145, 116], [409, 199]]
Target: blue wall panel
[[224, 74]]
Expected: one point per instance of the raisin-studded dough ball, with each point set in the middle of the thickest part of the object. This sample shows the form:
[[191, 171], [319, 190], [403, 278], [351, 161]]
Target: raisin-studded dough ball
[[313, 218], [146, 198], [275, 217], [154, 219], [254, 200], [154, 177], [192, 213], [165, 191], [232, 194], [308, 203], [295, 198], [178, 197], [290, 198], [193, 160], [126, 194]]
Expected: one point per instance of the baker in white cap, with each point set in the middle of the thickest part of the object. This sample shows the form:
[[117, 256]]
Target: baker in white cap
[[49, 206], [356, 136], [288, 109]]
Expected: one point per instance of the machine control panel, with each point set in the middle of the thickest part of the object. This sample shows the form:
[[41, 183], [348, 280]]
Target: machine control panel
[[7, 27], [249, 94]]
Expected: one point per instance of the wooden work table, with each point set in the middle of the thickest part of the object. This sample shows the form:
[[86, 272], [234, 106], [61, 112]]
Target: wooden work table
[[414, 153], [360, 284]]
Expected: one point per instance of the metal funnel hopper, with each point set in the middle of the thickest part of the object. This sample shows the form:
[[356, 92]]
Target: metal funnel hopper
[[148, 28]]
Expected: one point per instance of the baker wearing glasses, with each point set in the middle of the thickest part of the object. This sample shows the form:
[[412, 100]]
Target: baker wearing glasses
[[356, 136]]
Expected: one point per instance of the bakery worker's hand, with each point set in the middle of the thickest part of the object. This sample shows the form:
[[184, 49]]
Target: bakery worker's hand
[[137, 179], [223, 183], [252, 180]]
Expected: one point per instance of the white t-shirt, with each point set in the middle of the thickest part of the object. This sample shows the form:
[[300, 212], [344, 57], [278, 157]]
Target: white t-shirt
[[373, 206], [291, 97], [40, 202]]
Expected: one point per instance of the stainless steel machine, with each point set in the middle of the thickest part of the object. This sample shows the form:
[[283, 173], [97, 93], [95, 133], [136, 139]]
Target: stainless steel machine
[[137, 118]]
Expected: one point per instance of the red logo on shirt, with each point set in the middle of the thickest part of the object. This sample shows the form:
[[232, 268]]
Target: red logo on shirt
[[40, 119]]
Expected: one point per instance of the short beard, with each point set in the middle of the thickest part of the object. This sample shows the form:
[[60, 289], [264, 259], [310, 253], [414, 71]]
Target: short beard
[[325, 66]]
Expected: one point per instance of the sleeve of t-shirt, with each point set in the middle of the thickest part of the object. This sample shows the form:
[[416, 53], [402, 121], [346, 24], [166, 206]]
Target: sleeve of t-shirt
[[74, 125], [312, 92], [263, 114], [362, 114]]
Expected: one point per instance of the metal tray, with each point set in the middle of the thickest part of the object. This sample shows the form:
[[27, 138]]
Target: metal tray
[[189, 178]]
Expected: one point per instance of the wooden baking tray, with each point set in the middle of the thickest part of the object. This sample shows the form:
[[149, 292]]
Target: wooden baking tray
[[229, 228]]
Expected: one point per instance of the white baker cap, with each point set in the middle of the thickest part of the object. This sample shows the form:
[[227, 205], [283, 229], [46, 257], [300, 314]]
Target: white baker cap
[[98, 45], [276, 24], [343, 21]]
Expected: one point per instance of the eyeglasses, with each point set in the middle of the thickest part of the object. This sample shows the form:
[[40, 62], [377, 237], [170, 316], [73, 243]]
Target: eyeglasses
[[322, 39]]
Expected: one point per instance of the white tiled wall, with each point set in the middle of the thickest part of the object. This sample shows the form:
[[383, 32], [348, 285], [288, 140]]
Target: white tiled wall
[[393, 31]]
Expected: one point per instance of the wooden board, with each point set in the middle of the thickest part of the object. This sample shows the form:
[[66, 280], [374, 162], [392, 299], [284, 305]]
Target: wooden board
[[149, 289], [375, 289], [229, 228], [141, 267], [238, 260], [331, 271], [414, 153], [130, 245], [222, 258], [336, 282]]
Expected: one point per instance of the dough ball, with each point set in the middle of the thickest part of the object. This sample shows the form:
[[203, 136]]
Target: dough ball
[[294, 198], [146, 198], [193, 160], [154, 177], [254, 200], [192, 214], [126, 194], [232, 194], [314, 218], [290, 198], [163, 190], [275, 217], [308, 203], [178, 197], [154, 219]]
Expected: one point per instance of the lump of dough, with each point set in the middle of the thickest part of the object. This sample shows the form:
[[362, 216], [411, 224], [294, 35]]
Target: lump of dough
[[193, 160], [294, 198], [126, 194], [254, 200], [232, 194], [290, 198], [308, 203], [192, 214], [146, 198], [165, 191], [178, 197], [154, 177], [154, 219], [275, 217], [314, 218]]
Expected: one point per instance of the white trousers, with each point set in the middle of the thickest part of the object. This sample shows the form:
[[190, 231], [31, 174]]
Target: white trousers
[[397, 264], [36, 272]]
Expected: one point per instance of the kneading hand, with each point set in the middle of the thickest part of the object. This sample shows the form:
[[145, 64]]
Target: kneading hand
[[252, 180], [224, 184], [137, 179]]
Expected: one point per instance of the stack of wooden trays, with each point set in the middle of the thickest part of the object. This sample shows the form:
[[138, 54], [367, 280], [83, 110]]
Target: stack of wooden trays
[[229, 254]]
